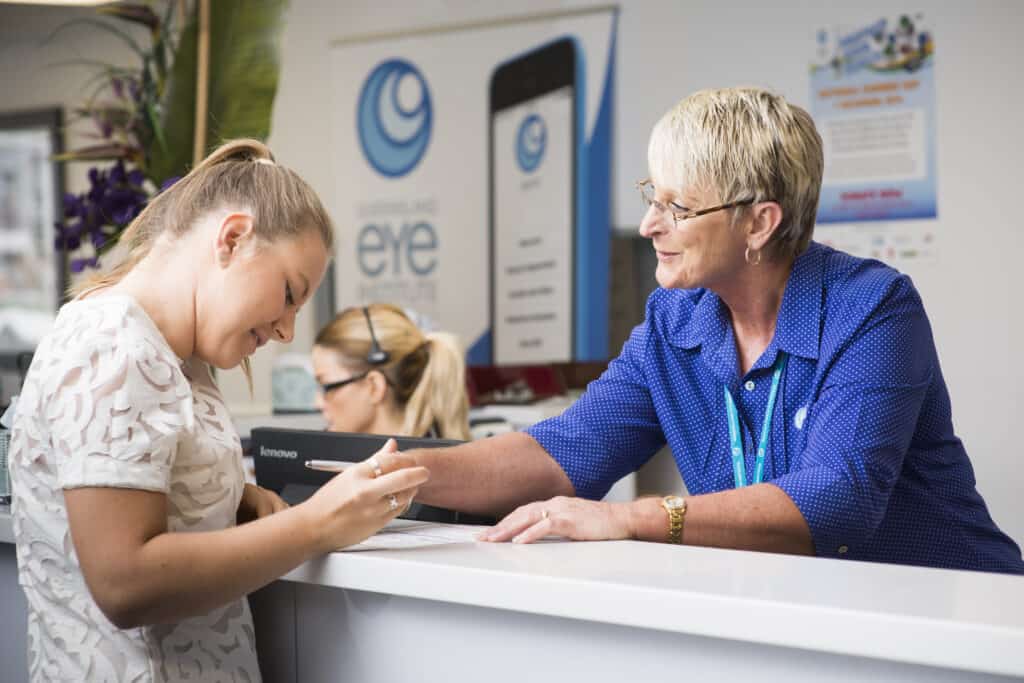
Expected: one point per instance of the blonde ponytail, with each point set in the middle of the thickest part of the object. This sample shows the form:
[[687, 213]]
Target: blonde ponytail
[[439, 400], [426, 373]]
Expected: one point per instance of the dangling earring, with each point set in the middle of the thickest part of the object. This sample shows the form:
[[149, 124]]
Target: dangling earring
[[746, 257]]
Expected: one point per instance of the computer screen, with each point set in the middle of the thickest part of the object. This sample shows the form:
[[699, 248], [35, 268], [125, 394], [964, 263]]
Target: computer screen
[[280, 455]]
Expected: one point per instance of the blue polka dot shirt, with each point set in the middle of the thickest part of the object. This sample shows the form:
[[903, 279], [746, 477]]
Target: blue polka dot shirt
[[861, 438]]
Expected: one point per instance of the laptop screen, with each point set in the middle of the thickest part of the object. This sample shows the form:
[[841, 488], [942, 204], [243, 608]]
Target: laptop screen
[[280, 457]]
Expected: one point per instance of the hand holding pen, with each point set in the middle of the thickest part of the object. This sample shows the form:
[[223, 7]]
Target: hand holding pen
[[364, 496]]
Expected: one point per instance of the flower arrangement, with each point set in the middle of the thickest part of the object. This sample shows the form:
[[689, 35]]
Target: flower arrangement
[[124, 109], [143, 121]]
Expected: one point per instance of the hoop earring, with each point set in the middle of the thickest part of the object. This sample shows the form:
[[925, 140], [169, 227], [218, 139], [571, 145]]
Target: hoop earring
[[746, 257]]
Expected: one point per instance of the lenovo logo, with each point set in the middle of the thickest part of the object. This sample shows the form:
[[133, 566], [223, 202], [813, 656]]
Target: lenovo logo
[[277, 453]]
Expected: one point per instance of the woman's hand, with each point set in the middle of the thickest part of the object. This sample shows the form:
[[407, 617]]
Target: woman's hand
[[358, 502], [575, 518], [258, 502]]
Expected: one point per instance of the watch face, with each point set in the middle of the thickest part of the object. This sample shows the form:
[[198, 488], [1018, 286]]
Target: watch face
[[674, 502]]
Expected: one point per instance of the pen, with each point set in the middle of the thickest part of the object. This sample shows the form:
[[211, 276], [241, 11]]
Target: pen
[[329, 465]]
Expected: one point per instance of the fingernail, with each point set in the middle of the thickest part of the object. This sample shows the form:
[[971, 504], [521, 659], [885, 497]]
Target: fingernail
[[518, 539]]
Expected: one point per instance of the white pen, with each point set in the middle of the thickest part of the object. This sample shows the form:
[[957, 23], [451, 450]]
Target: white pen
[[329, 465]]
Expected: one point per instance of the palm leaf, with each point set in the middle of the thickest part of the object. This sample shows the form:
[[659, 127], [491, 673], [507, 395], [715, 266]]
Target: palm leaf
[[108, 151], [140, 14], [243, 68], [127, 39]]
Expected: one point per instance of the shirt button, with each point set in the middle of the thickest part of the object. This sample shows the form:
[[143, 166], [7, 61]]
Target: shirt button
[[749, 386], [843, 549]]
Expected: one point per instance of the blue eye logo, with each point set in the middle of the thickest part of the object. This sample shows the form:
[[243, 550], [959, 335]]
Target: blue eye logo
[[530, 143], [394, 117]]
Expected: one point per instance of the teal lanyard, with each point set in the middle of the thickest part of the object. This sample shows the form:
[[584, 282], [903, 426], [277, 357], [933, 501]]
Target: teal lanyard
[[739, 469]]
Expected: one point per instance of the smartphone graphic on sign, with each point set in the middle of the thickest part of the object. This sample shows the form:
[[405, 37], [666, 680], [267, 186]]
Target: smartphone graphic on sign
[[533, 122]]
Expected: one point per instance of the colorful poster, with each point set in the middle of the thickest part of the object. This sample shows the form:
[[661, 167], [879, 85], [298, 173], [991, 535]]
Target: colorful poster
[[873, 100]]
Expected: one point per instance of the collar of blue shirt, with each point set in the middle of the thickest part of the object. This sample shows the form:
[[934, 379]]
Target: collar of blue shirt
[[797, 332]]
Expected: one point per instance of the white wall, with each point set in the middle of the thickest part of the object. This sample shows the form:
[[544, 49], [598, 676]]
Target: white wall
[[669, 48]]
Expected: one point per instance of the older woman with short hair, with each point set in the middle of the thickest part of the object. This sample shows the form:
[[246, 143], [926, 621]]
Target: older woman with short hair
[[798, 387]]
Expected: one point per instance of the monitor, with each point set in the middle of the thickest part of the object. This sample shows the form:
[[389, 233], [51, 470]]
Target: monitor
[[279, 456]]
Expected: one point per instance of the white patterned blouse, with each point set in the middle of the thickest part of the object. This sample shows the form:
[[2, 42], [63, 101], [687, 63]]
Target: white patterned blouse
[[106, 403]]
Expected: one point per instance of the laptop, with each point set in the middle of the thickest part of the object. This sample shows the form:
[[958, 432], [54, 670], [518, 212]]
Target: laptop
[[280, 456]]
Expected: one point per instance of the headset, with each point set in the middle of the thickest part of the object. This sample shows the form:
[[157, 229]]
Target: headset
[[377, 355]]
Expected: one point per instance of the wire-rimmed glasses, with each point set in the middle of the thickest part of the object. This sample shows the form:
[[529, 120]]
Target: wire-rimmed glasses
[[679, 213]]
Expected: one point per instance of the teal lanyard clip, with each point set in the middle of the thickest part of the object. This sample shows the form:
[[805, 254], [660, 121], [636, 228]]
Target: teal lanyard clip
[[739, 469]]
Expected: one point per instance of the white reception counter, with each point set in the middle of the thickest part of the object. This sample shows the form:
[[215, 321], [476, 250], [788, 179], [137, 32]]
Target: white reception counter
[[626, 610]]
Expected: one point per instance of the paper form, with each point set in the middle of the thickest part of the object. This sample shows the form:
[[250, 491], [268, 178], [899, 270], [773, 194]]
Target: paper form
[[402, 534]]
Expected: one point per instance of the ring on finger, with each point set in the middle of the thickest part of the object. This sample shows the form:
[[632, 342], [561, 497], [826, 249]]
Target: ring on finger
[[544, 514], [393, 502], [375, 464]]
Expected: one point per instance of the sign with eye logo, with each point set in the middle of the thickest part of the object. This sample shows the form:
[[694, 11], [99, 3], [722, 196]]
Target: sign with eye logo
[[472, 171], [394, 118], [530, 143]]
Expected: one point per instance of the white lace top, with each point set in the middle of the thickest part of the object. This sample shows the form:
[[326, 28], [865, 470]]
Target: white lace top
[[107, 403]]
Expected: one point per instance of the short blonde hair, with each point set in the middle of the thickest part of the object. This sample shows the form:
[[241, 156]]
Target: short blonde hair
[[744, 143]]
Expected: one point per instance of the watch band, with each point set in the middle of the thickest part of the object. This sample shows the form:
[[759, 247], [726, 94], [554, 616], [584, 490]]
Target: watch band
[[675, 506]]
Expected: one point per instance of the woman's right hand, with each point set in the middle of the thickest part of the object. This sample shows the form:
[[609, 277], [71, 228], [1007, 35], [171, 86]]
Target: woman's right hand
[[355, 504]]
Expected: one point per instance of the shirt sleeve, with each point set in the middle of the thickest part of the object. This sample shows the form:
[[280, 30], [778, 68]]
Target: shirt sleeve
[[116, 415], [611, 430], [861, 426]]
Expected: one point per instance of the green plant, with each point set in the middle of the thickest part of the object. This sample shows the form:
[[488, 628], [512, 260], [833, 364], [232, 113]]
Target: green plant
[[144, 117]]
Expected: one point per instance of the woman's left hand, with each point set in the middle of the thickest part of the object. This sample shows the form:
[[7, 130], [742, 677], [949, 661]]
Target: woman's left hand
[[574, 518], [258, 502]]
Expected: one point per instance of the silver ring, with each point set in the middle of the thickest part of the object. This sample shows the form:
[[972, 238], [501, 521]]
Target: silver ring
[[392, 502], [375, 464]]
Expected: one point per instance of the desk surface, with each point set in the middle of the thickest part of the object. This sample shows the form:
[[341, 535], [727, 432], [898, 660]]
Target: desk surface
[[935, 617]]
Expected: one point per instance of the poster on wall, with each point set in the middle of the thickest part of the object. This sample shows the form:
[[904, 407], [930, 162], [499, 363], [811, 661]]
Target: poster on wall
[[873, 100], [472, 170], [28, 277]]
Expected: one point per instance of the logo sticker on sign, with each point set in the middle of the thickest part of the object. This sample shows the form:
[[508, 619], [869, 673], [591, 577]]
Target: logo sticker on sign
[[530, 143], [395, 117]]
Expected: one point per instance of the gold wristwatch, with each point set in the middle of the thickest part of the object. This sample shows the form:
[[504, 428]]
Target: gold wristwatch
[[675, 506]]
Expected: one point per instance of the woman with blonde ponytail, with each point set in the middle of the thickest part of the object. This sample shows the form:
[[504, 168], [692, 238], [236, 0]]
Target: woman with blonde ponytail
[[380, 374], [137, 536]]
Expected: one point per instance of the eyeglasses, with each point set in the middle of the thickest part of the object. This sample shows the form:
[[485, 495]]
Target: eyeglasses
[[679, 213], [331, 386], [376, 356]]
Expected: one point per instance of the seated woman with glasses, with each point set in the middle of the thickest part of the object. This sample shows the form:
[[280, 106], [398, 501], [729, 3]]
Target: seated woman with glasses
[[380, 374], [798, 387]]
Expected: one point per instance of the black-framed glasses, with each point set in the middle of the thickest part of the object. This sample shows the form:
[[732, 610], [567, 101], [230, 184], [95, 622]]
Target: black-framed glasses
[[376, 356], [679, 213], [331, 386]]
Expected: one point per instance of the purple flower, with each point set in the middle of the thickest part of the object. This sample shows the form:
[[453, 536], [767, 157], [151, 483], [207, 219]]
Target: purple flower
[[80, 264], [170, 181], [116, 195]]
